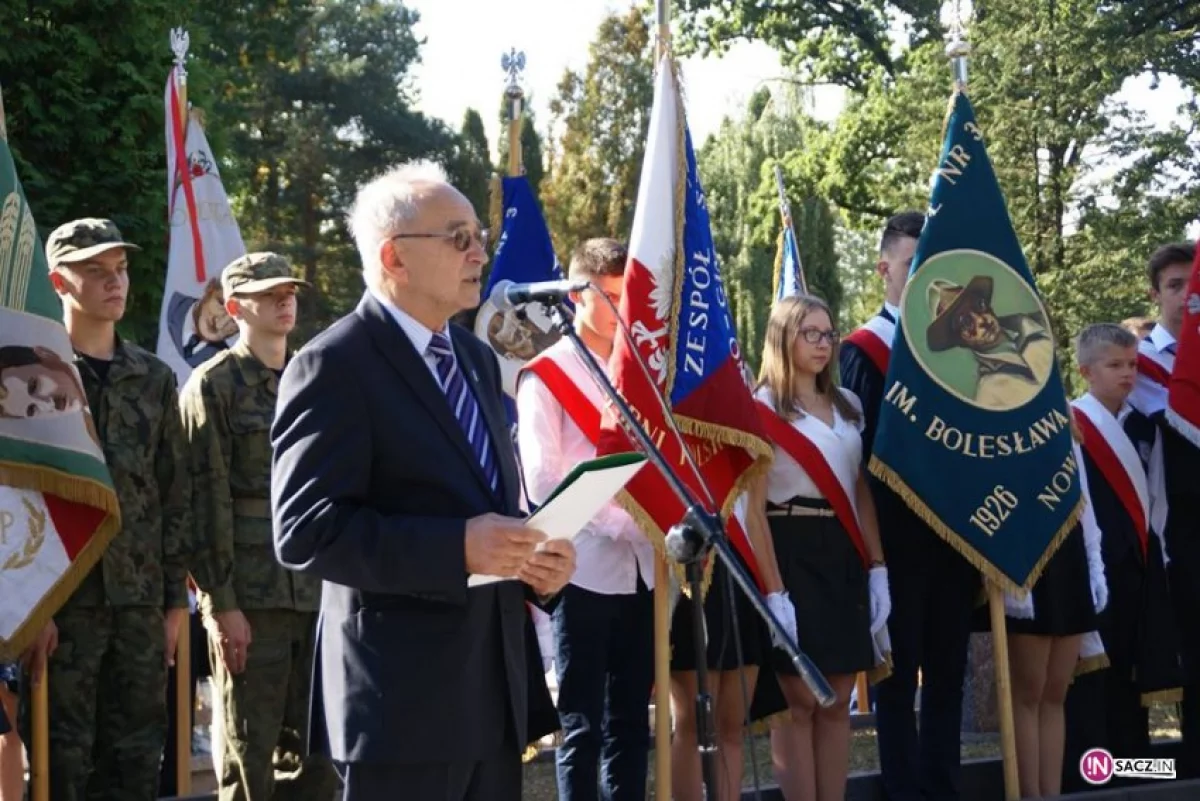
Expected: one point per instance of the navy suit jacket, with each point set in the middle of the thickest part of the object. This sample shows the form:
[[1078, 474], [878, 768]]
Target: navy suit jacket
[[373, 481]]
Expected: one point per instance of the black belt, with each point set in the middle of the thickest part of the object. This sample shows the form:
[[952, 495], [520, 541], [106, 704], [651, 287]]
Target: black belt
[[801, 507]]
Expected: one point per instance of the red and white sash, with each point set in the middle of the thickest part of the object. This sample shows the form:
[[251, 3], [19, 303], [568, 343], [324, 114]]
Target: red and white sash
[[582, 411], [1154, 374], [874, 338], [1106, 442], [837, 489]]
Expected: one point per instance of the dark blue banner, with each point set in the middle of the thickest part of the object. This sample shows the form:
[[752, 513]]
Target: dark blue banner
[[974, 433]]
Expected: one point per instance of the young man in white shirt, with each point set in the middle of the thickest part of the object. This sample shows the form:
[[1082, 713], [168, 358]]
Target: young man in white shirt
[[603, 624], [1168, 270]]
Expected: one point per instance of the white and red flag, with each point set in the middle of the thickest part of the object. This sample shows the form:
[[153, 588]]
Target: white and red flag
[[203, 237], [675, 304]]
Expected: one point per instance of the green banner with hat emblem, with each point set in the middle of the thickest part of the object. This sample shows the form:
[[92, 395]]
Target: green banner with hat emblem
[[975, 431], [58, 509]]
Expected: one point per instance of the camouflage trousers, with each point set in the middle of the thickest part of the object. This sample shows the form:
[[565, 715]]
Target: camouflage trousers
[[265, 714], [108, 707]]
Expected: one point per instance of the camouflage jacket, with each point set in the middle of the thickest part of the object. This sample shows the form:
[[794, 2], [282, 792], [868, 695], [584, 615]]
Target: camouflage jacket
[[135, 409], [228, 405]]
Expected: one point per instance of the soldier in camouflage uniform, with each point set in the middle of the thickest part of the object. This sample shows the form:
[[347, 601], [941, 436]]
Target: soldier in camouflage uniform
[[117, 632], [261, 618]]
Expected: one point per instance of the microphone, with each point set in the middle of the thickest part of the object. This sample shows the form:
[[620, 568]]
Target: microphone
[[508, 295]]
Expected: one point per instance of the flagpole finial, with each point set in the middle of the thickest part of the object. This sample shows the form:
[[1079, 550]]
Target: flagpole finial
[[180, 42], [958, 49], [513, 64]]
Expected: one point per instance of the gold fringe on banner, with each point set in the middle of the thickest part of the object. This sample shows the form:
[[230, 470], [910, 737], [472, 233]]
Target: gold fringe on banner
[[897, 485], [1090, 664], [76, 490], [1170, 696], [882, 670]]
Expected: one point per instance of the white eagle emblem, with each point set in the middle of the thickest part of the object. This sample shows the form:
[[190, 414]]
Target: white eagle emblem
[[651, 342]]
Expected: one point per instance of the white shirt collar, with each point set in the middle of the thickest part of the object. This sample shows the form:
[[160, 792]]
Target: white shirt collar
[[892, 310], [416, 331], [1122, 413], [1161, 338]]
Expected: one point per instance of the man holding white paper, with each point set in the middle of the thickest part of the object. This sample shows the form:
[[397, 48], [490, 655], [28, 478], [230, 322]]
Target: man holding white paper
[[604, 621], [394, 479]]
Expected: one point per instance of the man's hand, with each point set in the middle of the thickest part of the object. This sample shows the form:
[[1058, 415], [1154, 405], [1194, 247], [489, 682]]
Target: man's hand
[[231, 632], [171, 624], [36, 656], [547, 571], [499, 546]]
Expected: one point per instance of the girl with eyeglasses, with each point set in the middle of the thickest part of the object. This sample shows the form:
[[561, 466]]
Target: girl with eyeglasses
[[817, 508]]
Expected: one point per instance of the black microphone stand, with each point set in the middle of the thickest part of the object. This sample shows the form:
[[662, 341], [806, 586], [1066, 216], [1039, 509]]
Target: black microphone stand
[[688, 542]]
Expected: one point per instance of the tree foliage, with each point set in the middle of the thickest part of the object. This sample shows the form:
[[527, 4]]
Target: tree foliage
[[83, 91], [317, 100], [603, 115], [737, 168], [1090, 186]]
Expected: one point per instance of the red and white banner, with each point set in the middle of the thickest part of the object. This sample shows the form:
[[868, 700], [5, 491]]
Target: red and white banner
[[674, 304], [203, 238]]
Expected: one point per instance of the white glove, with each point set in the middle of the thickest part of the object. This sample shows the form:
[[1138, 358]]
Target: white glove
[[545, 636], [881, 598], [780, 604], [1100, 595]]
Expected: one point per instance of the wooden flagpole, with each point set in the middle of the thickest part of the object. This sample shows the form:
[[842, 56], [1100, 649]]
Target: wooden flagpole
[[183, 649], [957, 51], [39, 749], [662, 577], [785, 214]]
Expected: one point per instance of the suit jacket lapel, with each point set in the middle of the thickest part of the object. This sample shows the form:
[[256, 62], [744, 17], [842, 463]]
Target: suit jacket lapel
[[398, 349], [497, 423]]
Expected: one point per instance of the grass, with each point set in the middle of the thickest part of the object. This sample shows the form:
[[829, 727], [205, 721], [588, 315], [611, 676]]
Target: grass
[[540, 782]]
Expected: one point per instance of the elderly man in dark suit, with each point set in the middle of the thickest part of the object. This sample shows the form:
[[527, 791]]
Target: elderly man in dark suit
[[394, 480]]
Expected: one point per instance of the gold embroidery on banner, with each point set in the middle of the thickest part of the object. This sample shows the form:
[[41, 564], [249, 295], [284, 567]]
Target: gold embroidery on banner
[[23, 261], [33, 542], [8, 233]]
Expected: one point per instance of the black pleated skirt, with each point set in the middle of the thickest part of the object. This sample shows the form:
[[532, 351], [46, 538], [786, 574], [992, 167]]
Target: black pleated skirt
[[719, 616], [824, 575], [1062, 597]]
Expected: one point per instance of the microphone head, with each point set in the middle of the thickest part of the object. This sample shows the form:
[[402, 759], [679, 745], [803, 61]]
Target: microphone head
[[499, 295]]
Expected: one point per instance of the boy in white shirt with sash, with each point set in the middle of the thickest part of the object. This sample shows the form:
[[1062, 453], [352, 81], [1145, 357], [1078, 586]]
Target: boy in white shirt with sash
[[1120, 447], [1168, 270], [604, 620]]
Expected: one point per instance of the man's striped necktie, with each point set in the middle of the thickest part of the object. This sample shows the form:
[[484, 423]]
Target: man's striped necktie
[[465, 406]]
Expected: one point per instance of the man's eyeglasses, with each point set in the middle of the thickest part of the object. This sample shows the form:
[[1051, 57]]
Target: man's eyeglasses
[[813, 336], [460, 237]]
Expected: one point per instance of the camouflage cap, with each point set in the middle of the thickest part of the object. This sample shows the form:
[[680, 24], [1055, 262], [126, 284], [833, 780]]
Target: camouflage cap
[[257, 272], [80, 240]]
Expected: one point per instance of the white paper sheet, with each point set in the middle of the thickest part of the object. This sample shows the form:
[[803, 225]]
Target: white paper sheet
[[569, 511]]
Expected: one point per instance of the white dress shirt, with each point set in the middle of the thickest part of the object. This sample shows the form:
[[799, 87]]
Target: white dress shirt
[[611, 551], [892, 310], [1148, 396], [841, 444], [417, 333]]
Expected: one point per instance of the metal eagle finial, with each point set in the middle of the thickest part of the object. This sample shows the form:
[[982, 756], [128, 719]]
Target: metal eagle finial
[[513, 63]]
